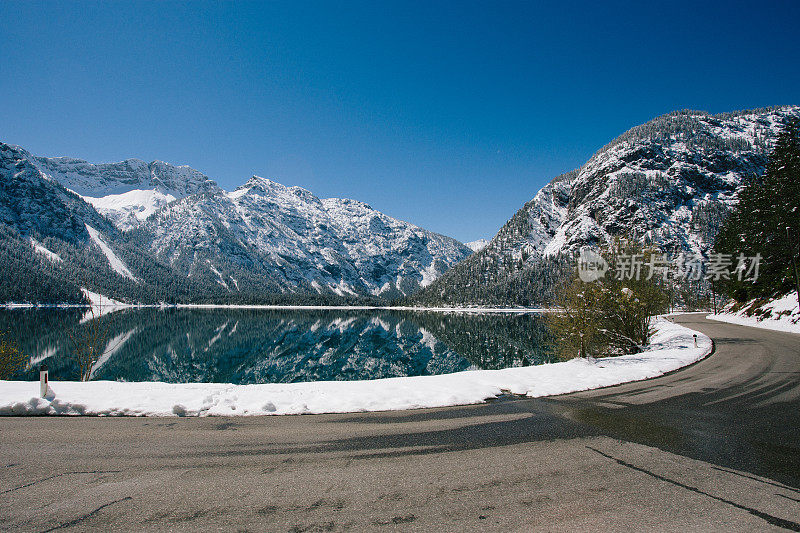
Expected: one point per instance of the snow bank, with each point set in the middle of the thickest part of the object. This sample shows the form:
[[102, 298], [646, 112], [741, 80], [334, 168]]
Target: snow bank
[[672, 348], [781, 314]]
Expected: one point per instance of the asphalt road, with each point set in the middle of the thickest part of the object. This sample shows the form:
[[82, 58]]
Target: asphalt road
[[711, 447]]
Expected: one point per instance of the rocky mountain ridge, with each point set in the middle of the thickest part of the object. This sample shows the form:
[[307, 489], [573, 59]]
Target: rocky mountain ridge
[[299, 242]]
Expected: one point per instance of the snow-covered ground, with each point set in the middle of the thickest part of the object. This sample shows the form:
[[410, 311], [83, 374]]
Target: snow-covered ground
[[672, 348], [781, 314]]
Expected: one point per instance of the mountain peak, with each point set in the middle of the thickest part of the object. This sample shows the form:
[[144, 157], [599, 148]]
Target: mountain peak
[[97, 180], [268, 187], [258, 180]]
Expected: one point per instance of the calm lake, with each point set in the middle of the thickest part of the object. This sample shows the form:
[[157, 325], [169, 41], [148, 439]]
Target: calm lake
[[278, 346]]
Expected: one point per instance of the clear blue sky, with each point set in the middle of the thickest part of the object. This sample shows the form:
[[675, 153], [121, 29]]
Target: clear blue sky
[[450, 115]]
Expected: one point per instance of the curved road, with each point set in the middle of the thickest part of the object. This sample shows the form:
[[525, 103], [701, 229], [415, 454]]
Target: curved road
[[715, 446]]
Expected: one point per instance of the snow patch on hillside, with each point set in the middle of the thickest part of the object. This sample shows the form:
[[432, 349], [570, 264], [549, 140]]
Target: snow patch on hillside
[[672, 348], [116, 263], [780, 314], [126, 210], [41, 250], [98, 300], [220, 279], [477, 246], [100, 305]]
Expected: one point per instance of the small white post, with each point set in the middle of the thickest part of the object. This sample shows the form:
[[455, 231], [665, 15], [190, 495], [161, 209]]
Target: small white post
[[695, 340], [43, 381]]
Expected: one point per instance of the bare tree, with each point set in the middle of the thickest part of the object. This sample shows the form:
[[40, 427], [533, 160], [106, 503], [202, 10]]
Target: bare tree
[[89, 341]]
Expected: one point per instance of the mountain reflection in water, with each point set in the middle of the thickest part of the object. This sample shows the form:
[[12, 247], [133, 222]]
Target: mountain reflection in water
[[279, 346]]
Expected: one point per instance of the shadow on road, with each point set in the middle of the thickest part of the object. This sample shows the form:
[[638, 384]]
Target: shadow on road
[[734, 409]]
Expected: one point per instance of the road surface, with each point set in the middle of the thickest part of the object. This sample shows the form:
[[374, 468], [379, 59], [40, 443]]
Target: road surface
[[715, 446]]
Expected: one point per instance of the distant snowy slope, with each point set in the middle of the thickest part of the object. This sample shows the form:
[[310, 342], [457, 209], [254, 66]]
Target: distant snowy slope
[[127, 210], [33, 203], [98, 180], [477, 246], [43, 251], [129, 191]]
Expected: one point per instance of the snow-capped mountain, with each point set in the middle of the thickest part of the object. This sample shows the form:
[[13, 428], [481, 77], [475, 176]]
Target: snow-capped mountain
[[668, 183], [145, 220], [298, 242], [53, 243]]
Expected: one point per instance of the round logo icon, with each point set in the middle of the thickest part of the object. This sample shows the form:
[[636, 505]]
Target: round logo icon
[[591, 266]]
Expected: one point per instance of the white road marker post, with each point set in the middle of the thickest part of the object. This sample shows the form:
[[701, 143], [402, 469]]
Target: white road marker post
[[43, 380], [695, 340]]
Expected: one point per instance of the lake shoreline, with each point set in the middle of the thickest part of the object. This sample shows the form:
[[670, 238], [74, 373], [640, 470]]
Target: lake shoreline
[[673, 347]]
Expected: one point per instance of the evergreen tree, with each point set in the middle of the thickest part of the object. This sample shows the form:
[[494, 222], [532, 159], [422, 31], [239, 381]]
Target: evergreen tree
[[766, 221]]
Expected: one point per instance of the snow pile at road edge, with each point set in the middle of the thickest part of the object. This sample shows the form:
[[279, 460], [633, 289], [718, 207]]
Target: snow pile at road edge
[[672, 347]]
